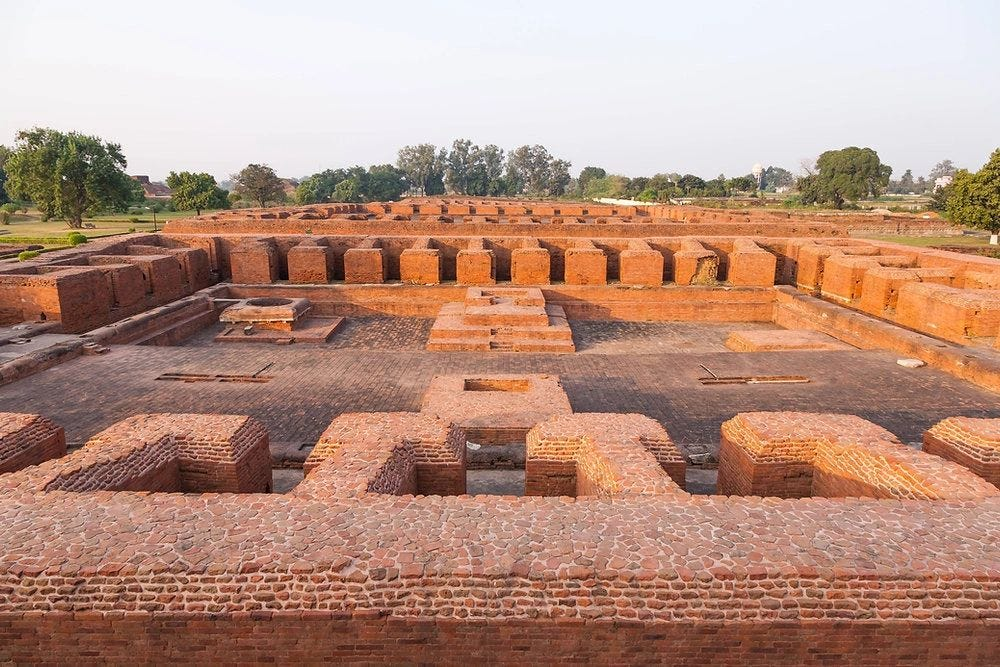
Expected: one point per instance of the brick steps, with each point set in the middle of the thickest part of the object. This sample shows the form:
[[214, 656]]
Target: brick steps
[[527, 326], [508, 345]]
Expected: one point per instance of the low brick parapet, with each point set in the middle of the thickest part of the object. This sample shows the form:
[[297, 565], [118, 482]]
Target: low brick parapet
[[970, 442], [799, 454], [27, 440]]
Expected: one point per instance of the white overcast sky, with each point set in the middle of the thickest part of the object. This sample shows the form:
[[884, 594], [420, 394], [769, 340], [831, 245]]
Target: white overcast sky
[[634, 87]]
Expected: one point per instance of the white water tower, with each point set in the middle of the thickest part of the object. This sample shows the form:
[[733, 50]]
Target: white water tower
[[758, 173]]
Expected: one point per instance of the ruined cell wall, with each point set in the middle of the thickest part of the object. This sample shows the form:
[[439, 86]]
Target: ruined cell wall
[[646, 571]]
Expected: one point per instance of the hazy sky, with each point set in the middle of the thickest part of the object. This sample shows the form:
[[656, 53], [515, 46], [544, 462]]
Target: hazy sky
[[634, 87]]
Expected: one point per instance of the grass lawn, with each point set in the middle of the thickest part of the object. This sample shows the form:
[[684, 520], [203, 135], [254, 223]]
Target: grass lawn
[[29, 227]]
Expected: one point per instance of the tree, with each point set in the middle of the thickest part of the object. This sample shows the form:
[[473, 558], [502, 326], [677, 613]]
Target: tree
[[385, 183], [742, 184], [942, 169], [348, 190], [460, 165], [424, 167], [492, 159], [196, 191], [68, 174], [258, 183], [532, 170], [776, 177], [975, 198], [848, 174], [4, 154], [558, 177], [689, 183], [587, 175]]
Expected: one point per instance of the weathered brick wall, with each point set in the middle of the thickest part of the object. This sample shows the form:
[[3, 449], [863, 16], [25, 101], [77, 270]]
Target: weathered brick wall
[[475, 264], [797, 454], [330, 637], [661, 576], [27, 440], [601, 455], [365, 263], [161, 452], [972, 443], [103, 282], [438, 449]]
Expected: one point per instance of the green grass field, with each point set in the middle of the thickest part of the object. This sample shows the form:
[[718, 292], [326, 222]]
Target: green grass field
[[29, 227]]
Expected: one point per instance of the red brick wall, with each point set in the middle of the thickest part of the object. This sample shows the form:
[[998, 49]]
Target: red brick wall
[[318, 636]]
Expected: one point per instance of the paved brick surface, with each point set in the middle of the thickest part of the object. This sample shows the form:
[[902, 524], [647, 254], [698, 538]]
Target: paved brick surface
[[313, 384], [601, 337]]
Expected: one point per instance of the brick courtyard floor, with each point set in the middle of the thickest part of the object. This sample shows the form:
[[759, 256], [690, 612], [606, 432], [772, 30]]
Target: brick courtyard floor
[[361, 370]]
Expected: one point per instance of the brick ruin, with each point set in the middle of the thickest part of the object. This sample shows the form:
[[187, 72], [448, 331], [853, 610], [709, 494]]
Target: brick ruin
[[826, 539]]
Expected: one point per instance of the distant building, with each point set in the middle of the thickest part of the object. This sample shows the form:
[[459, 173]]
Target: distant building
[[942, 182], [153, 189]]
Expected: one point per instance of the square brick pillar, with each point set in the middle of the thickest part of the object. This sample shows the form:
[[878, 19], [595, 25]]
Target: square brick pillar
[[694, 264], [475, 264], [586, 264], [750, 265], [254, 263], [530, 265], [640, 265], [365, 264], [421, 264], [310, 263]]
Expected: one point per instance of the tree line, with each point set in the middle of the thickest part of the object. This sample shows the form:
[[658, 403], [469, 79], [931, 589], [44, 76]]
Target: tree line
[[72, 175]]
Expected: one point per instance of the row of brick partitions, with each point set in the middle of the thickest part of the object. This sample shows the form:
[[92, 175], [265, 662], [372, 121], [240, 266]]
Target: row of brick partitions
[[521, 216]]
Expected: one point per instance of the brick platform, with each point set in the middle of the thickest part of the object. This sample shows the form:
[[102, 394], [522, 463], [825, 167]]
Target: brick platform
[[782, 339]]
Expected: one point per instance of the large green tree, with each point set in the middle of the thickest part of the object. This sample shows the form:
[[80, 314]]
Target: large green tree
[[385, 183], [777, 177], [258, 183], [196, 191], [532, 170], [424, 166], [845, 175], [975, 198], [68, 174], [588, 174]]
